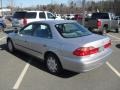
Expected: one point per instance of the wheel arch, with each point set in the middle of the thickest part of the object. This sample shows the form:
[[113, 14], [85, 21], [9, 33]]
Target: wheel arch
[[105, 25], [51, 52], [8, 38]]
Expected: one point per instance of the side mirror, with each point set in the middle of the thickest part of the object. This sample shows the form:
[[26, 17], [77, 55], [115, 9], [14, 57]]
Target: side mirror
[[15, 30], [54, 17]]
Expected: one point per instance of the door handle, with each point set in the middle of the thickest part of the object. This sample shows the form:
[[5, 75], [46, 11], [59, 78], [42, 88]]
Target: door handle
[[44, 45]]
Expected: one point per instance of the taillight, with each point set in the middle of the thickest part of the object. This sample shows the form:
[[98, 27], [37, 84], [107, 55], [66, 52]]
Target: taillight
[[99, 23], [24, 21], [84, 51], [108, 44]]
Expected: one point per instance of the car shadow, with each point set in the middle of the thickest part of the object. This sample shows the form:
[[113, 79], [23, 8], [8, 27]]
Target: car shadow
[[37, 62], [118, 46]]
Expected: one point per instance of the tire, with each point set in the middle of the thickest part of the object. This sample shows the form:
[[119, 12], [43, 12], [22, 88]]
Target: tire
[[53, 64], [90, 29], [104, 31], [1, 27], [117, 30], [10, 46]]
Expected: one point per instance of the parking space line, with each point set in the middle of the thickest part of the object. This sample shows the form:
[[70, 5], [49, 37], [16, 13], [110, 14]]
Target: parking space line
[[2, 38], [114, 36], [18, 82], [113, 69]]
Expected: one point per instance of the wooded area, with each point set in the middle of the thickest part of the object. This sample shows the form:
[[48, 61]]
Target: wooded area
[[75, 6]]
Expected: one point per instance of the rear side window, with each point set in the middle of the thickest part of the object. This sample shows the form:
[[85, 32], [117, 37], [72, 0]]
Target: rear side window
[[19, 15], [31, 15], [100, 16], [72, 30], [42, 15]]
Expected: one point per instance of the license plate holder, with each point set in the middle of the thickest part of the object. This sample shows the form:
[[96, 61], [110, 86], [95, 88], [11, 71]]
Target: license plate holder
[[101, 49]]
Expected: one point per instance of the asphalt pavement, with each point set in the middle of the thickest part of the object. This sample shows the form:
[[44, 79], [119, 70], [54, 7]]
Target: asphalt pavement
[[20, 71]]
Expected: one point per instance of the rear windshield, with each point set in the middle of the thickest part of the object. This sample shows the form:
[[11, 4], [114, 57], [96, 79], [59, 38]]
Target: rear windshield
[[100, 16], [72, 30], [31, 15], [19, 15]]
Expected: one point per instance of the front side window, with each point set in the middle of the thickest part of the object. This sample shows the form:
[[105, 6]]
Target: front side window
[[72, 30], [50, 16], [27, 30], [42, 30]]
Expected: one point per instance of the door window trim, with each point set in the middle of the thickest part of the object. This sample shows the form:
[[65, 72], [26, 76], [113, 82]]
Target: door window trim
[[24, 28]]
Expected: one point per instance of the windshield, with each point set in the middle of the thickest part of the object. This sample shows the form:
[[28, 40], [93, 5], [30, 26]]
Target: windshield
[[72, 30], [100, 16]]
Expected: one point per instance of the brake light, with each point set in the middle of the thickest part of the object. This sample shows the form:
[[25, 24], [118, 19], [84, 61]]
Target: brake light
[[99, 23], [108, 44], [24, 21], [84, 51]]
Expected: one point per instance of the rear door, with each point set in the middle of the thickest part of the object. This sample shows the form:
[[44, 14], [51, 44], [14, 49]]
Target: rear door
[[42, 16], [31, 17]]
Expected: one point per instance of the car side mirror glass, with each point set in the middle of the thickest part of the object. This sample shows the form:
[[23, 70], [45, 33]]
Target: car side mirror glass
[[15, 30]]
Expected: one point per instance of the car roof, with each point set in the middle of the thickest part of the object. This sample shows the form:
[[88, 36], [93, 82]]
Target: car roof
[[37, 11], [55, 21], [25, 11]]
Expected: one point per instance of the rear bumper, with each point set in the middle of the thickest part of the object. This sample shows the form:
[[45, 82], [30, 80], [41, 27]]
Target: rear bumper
[[83, 65]]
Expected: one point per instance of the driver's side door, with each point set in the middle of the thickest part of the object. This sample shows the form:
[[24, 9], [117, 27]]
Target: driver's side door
[[22, 37]]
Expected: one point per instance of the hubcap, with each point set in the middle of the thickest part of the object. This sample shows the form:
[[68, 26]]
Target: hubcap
[[52, 65], [10, 46]]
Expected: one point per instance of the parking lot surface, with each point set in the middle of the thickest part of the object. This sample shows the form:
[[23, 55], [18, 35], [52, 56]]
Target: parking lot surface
[[22, 72]]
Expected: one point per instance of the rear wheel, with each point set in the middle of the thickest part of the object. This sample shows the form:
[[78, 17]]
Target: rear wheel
[[53, 64], [105, 30], [117, 30]]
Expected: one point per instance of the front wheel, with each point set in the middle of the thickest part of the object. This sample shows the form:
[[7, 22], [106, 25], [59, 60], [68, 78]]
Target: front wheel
[[53, 64], [1, 28], [10, 46]]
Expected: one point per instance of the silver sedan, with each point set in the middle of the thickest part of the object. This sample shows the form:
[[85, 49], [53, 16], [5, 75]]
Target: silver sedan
[[61, 45]]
